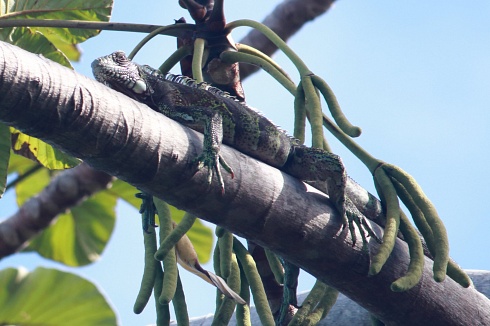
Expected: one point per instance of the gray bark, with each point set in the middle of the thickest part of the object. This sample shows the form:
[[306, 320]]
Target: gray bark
[[122, 137]]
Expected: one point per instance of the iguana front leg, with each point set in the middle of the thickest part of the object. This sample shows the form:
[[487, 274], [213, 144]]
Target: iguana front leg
[[327, 172], [210, 121]]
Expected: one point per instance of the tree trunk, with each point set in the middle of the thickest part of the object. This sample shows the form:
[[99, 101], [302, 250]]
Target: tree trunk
[[126, 139]]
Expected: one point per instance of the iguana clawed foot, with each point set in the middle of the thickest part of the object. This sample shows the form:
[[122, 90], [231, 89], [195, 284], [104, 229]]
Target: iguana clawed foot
[[354, 216], [147, 210], [212, 160]]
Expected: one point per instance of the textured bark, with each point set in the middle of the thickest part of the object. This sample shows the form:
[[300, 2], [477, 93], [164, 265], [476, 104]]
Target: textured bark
[[127, 139]]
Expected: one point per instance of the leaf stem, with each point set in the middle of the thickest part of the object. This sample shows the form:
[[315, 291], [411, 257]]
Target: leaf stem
[[274, 38], [23, 176], [147, 38], [199, 45], [174, 30]]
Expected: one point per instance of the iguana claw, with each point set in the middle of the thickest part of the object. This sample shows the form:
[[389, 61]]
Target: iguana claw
[[213, 162], [354, 216], [147, 210]]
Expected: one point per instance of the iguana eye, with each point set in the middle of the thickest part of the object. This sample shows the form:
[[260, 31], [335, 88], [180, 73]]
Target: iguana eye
[[120, 57]]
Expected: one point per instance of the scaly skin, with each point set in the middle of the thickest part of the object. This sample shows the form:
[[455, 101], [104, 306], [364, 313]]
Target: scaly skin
[[223, 119]]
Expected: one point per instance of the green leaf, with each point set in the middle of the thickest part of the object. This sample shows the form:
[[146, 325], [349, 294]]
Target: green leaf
[[19, 164], [4, 156], [61, 38], [33, 183], [41, 152], [51, 297], [200, 235], [126, 192], [35, 42], [79, 236]]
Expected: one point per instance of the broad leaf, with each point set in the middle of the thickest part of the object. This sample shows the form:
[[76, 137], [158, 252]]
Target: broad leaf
[[4, 156], [41, 152], [56, 44], [126, 192], [33, 183], [35, 42], [79, 236], [61, 38], [51, 297], [200, 235], [19, 164]]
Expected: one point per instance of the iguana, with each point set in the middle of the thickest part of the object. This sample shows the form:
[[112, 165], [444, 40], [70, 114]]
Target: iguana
[[224, 119]]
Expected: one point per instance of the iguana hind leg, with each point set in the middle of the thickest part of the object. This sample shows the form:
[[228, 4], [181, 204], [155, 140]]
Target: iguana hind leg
[[327, 173]]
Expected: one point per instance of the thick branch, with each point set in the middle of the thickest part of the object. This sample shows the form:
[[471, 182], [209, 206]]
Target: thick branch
[[127, 139]]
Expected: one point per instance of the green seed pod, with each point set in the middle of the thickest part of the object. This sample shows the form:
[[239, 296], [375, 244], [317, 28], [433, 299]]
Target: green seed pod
[[225, 311], [299, 114], [441, 256], [458, 275], [275, 265], [326, 303], [388, 192], [217, 268], [334, 107], [310, 302], [163, 312], [180, 306], [253, 278], [175, 234], [243, 311], [169, 284], [149, 272], [219, 231], [314, 111], [416, 266], [225, 244]]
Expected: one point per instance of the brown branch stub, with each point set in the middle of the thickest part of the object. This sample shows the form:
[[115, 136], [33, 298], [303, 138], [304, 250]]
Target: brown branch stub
[[197, 11], [210, 25]]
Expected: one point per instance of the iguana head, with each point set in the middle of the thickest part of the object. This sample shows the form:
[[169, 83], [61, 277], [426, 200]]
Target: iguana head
[[118, 72]]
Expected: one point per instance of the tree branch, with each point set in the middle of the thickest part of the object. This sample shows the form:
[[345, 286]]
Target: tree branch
[[117, 135], [64, 191], [83, 24]]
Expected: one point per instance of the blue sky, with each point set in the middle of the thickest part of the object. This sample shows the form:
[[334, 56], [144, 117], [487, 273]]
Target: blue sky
[[416, 78]]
